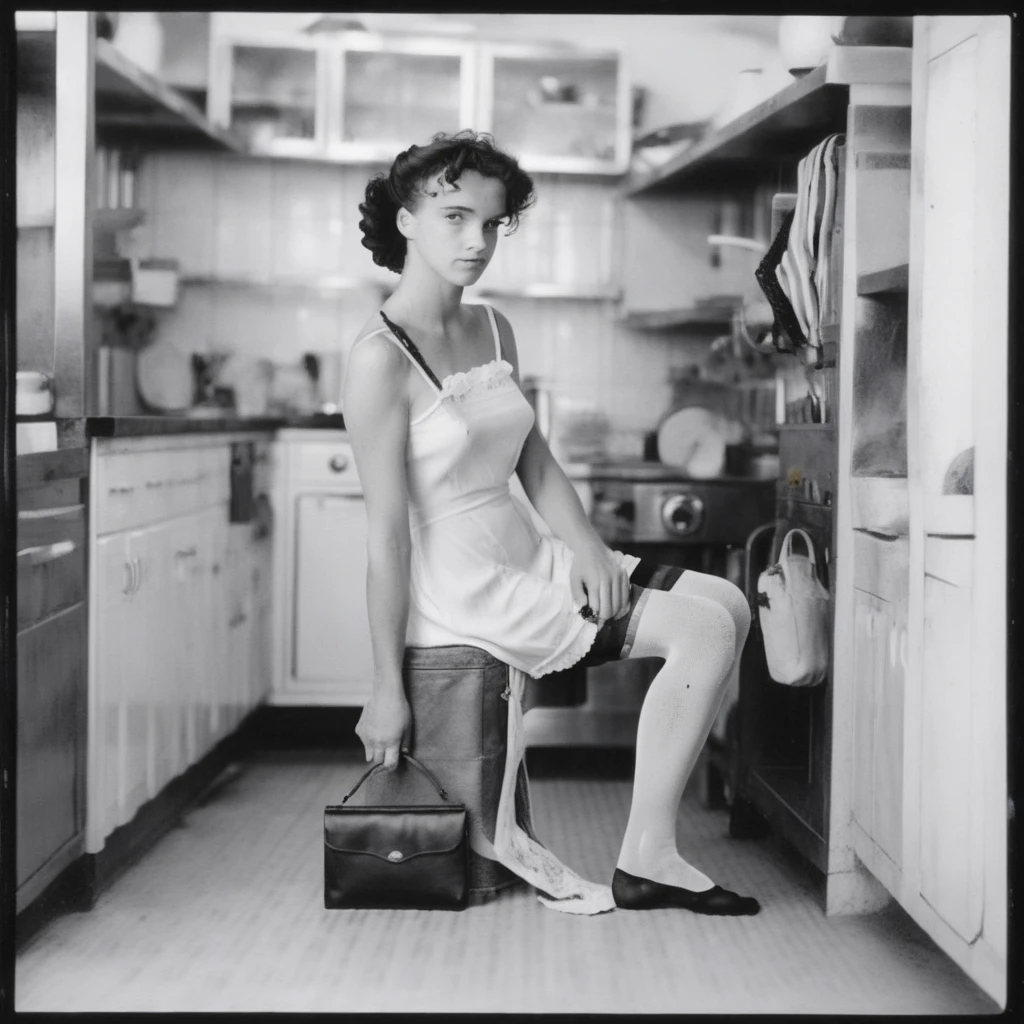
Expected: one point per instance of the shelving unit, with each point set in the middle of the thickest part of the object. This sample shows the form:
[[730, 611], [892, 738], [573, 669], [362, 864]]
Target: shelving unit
[[548, 291], [108, 221], [796, 751], [129, 99], [332, 285], [715, 318], [781, 129]]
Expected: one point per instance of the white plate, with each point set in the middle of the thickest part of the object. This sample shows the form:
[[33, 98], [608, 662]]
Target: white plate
[[691, 439], [164, 376]]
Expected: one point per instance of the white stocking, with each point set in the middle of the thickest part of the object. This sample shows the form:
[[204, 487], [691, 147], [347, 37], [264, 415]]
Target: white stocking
[[699, 637], [734, 602]]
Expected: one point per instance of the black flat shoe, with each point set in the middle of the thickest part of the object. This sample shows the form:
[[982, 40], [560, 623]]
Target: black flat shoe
[[633, 893]]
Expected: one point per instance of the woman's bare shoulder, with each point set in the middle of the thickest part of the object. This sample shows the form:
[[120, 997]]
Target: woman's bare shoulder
[[375, 357]]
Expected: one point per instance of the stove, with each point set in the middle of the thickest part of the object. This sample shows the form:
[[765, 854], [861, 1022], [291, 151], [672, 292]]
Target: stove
[[656, 512], [649, 502]]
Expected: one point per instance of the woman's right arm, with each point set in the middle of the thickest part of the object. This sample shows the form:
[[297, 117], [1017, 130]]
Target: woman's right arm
[[377, 421]]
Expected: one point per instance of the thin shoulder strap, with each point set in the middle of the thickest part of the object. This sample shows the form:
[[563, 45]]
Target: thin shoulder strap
[[427, 376], [411, 350], [494, 331]]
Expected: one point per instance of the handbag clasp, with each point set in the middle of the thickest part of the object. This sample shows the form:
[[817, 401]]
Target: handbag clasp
[[395, 856]]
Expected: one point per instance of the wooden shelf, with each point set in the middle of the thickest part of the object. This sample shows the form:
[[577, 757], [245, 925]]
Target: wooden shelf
[[702, 317], [813, 427], [132, 99], [37, 222], [108, 221], [787, 124], [880, 505], [548, 291], [784, 127], [891, 281], [312, 284]]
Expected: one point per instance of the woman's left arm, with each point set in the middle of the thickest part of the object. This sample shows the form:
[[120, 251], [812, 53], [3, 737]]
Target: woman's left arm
[[596, 578]]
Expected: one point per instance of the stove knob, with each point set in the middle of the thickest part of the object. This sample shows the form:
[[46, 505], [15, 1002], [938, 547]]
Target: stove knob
[[682, 514]]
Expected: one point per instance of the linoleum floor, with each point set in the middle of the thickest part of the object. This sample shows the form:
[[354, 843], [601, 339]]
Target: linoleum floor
[[226, 913]]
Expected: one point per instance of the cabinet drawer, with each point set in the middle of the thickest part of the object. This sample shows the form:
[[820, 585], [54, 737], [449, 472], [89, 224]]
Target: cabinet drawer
[[328, 463], [51, 719], [134, 488], [51, 561]]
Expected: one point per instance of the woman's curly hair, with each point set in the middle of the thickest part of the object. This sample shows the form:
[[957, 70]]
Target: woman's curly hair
[[403, 185]]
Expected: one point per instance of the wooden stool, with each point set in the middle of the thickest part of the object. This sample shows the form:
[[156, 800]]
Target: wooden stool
[[460, 723]]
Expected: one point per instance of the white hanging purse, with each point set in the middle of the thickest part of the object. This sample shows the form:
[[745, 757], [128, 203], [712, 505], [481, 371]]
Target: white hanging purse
[[793, 608]]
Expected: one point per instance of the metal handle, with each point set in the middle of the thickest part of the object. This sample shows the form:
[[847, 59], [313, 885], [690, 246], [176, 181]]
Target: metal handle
[[412, 760], [338, 463], [749, 550], [137, 562], [43, 553], [47, 513], [186, 553], [122, 489], [154, 484], [129, 584]]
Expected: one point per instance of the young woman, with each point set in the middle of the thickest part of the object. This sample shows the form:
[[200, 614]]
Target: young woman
[[438, 425]]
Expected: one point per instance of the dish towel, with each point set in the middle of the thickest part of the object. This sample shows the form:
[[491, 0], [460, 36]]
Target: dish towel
[[514, 843]]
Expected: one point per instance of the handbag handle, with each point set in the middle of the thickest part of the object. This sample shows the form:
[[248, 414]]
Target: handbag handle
[[787, 545], [437, 785]]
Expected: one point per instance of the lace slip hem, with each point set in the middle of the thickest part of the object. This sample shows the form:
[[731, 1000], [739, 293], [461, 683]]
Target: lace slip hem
[[578, 649], [459, 383]]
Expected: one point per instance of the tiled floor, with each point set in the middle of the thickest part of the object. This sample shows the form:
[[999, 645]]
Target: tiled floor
[[226, 913]]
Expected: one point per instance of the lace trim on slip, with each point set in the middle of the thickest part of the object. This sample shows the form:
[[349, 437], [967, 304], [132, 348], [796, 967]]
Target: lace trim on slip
[[579, 647], [460, 383]]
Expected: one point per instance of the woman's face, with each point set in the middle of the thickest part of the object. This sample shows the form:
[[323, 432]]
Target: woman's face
[[454, 228]]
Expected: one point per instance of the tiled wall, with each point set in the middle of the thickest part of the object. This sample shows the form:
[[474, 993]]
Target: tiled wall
[[234, 218]]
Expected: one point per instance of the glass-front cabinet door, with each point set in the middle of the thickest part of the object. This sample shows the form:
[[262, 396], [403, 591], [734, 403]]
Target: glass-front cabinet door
[[559, 111], [390, 93], [272, 92]]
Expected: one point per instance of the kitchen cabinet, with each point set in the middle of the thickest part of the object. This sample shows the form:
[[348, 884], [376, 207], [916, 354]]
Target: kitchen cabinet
[[270, 91], [389, 92], [331, 627], [362, 97], [881, 583], [51, 679], [558, 110], [955, 858], [321, 627], [172, 654], [952, 807]]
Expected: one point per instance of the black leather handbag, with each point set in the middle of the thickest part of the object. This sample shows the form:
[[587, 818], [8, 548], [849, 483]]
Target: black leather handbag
[[411, 857]]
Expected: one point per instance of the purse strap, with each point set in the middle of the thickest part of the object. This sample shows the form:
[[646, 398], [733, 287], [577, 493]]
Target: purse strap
[[377, 767], [787, 545]]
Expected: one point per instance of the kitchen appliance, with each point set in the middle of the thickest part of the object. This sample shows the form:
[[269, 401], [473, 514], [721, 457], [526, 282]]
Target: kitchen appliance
[[656, 512], [34, 393]]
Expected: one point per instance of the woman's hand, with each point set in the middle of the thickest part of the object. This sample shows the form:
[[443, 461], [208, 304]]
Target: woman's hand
[[384, 725], [598, 580]]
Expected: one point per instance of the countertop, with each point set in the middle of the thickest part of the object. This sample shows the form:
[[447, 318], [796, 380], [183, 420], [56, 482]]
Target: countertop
[[148, 426]]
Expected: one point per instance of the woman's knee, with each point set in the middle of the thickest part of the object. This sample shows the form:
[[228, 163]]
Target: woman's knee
[[720, 590], [716, 634]]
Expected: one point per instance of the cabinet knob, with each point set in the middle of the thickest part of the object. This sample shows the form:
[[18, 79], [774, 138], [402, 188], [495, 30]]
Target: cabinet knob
[[338, 463]]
